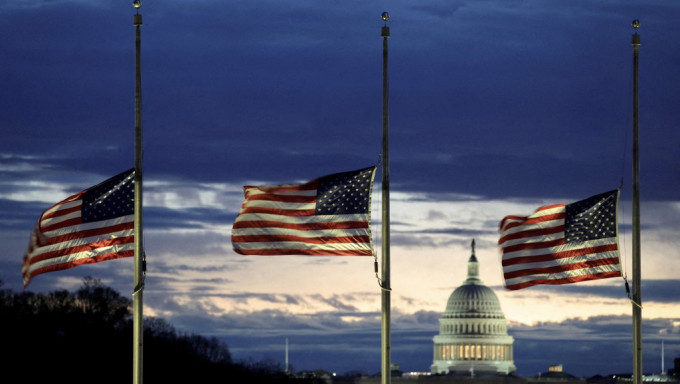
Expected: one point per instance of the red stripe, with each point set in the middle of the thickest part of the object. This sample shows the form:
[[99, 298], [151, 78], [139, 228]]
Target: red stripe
[[280, 212], [508, 218], [568, 280], [308, 240], [81, 248], [61, 224], [531, 233], [561, 268], [61, 212], [540, 245], [515, 217], [308, 186], [85, 233], [69, 199], [75, 263], [559, 255], [302, 226], [311, 252], [282, 198], [534, 220]]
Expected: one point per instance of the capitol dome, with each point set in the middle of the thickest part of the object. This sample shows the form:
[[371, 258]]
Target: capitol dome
[[473, 336]]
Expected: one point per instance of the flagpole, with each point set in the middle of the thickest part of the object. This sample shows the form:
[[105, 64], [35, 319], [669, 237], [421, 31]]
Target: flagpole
[[137, 299], [386, 368], [637, 299]]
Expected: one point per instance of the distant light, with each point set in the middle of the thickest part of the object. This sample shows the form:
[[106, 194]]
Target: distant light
[[385, 16], [636, 23], [137, 4]]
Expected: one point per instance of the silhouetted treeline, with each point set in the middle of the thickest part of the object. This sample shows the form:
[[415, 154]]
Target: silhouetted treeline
[[86, 337]]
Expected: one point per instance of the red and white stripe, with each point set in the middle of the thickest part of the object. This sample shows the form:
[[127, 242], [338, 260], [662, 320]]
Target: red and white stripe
[[534, 251], [60, 240], [281, 220]]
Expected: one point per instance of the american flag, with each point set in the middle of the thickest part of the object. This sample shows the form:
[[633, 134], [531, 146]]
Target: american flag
[[562, 243], [329, 215], [94, 225]]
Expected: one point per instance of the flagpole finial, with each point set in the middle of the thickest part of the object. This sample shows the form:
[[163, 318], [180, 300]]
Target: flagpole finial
[[636, 36], [385, 29], [137, 20], [635, 24]]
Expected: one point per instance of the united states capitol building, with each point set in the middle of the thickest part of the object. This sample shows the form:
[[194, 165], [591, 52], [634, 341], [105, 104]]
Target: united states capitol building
[[473, 342], [473, 334]]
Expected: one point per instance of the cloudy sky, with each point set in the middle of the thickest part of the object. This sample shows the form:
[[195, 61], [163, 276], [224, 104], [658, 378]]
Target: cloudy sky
[[496, 107]]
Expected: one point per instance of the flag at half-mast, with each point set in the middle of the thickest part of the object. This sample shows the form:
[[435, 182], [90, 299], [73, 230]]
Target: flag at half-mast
[[327, 216], [562, 243], [93, 225]]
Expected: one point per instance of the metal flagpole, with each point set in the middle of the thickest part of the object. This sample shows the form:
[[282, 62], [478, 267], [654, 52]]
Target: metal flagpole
[[137, 300], [637, 299], [386, 364]]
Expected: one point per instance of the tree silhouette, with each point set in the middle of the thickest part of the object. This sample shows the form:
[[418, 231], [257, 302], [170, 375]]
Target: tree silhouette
[[86, 337]]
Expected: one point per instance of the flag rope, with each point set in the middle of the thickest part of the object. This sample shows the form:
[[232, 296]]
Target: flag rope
[[375, 237]]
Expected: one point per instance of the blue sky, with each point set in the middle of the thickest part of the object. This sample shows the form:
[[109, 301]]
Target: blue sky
[[496, 107]]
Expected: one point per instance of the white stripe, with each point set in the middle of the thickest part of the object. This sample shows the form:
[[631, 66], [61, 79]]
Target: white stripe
[[561, 261], [533, 226], [560, 248], [300, 245], [87, 226], [79, 255], [63, 205], [254, 191], [534, 239], [563, 275], [78, 242], [310, 234], [542, 213], [278, 204], [58, 219], [303, 219], [37, 251]]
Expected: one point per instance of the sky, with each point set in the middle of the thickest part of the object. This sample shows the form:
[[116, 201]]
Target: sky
[[496, 107]]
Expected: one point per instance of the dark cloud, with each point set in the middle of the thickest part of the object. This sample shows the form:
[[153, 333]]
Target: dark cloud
[[283, 89], [20, 215]]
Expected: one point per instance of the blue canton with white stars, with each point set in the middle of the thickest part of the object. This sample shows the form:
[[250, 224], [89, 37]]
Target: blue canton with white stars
[[112, 198], [344, 193], [591, 219]]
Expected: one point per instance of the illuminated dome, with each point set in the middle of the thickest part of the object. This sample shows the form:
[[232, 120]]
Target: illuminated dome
[[473, 336], [473, 299]]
